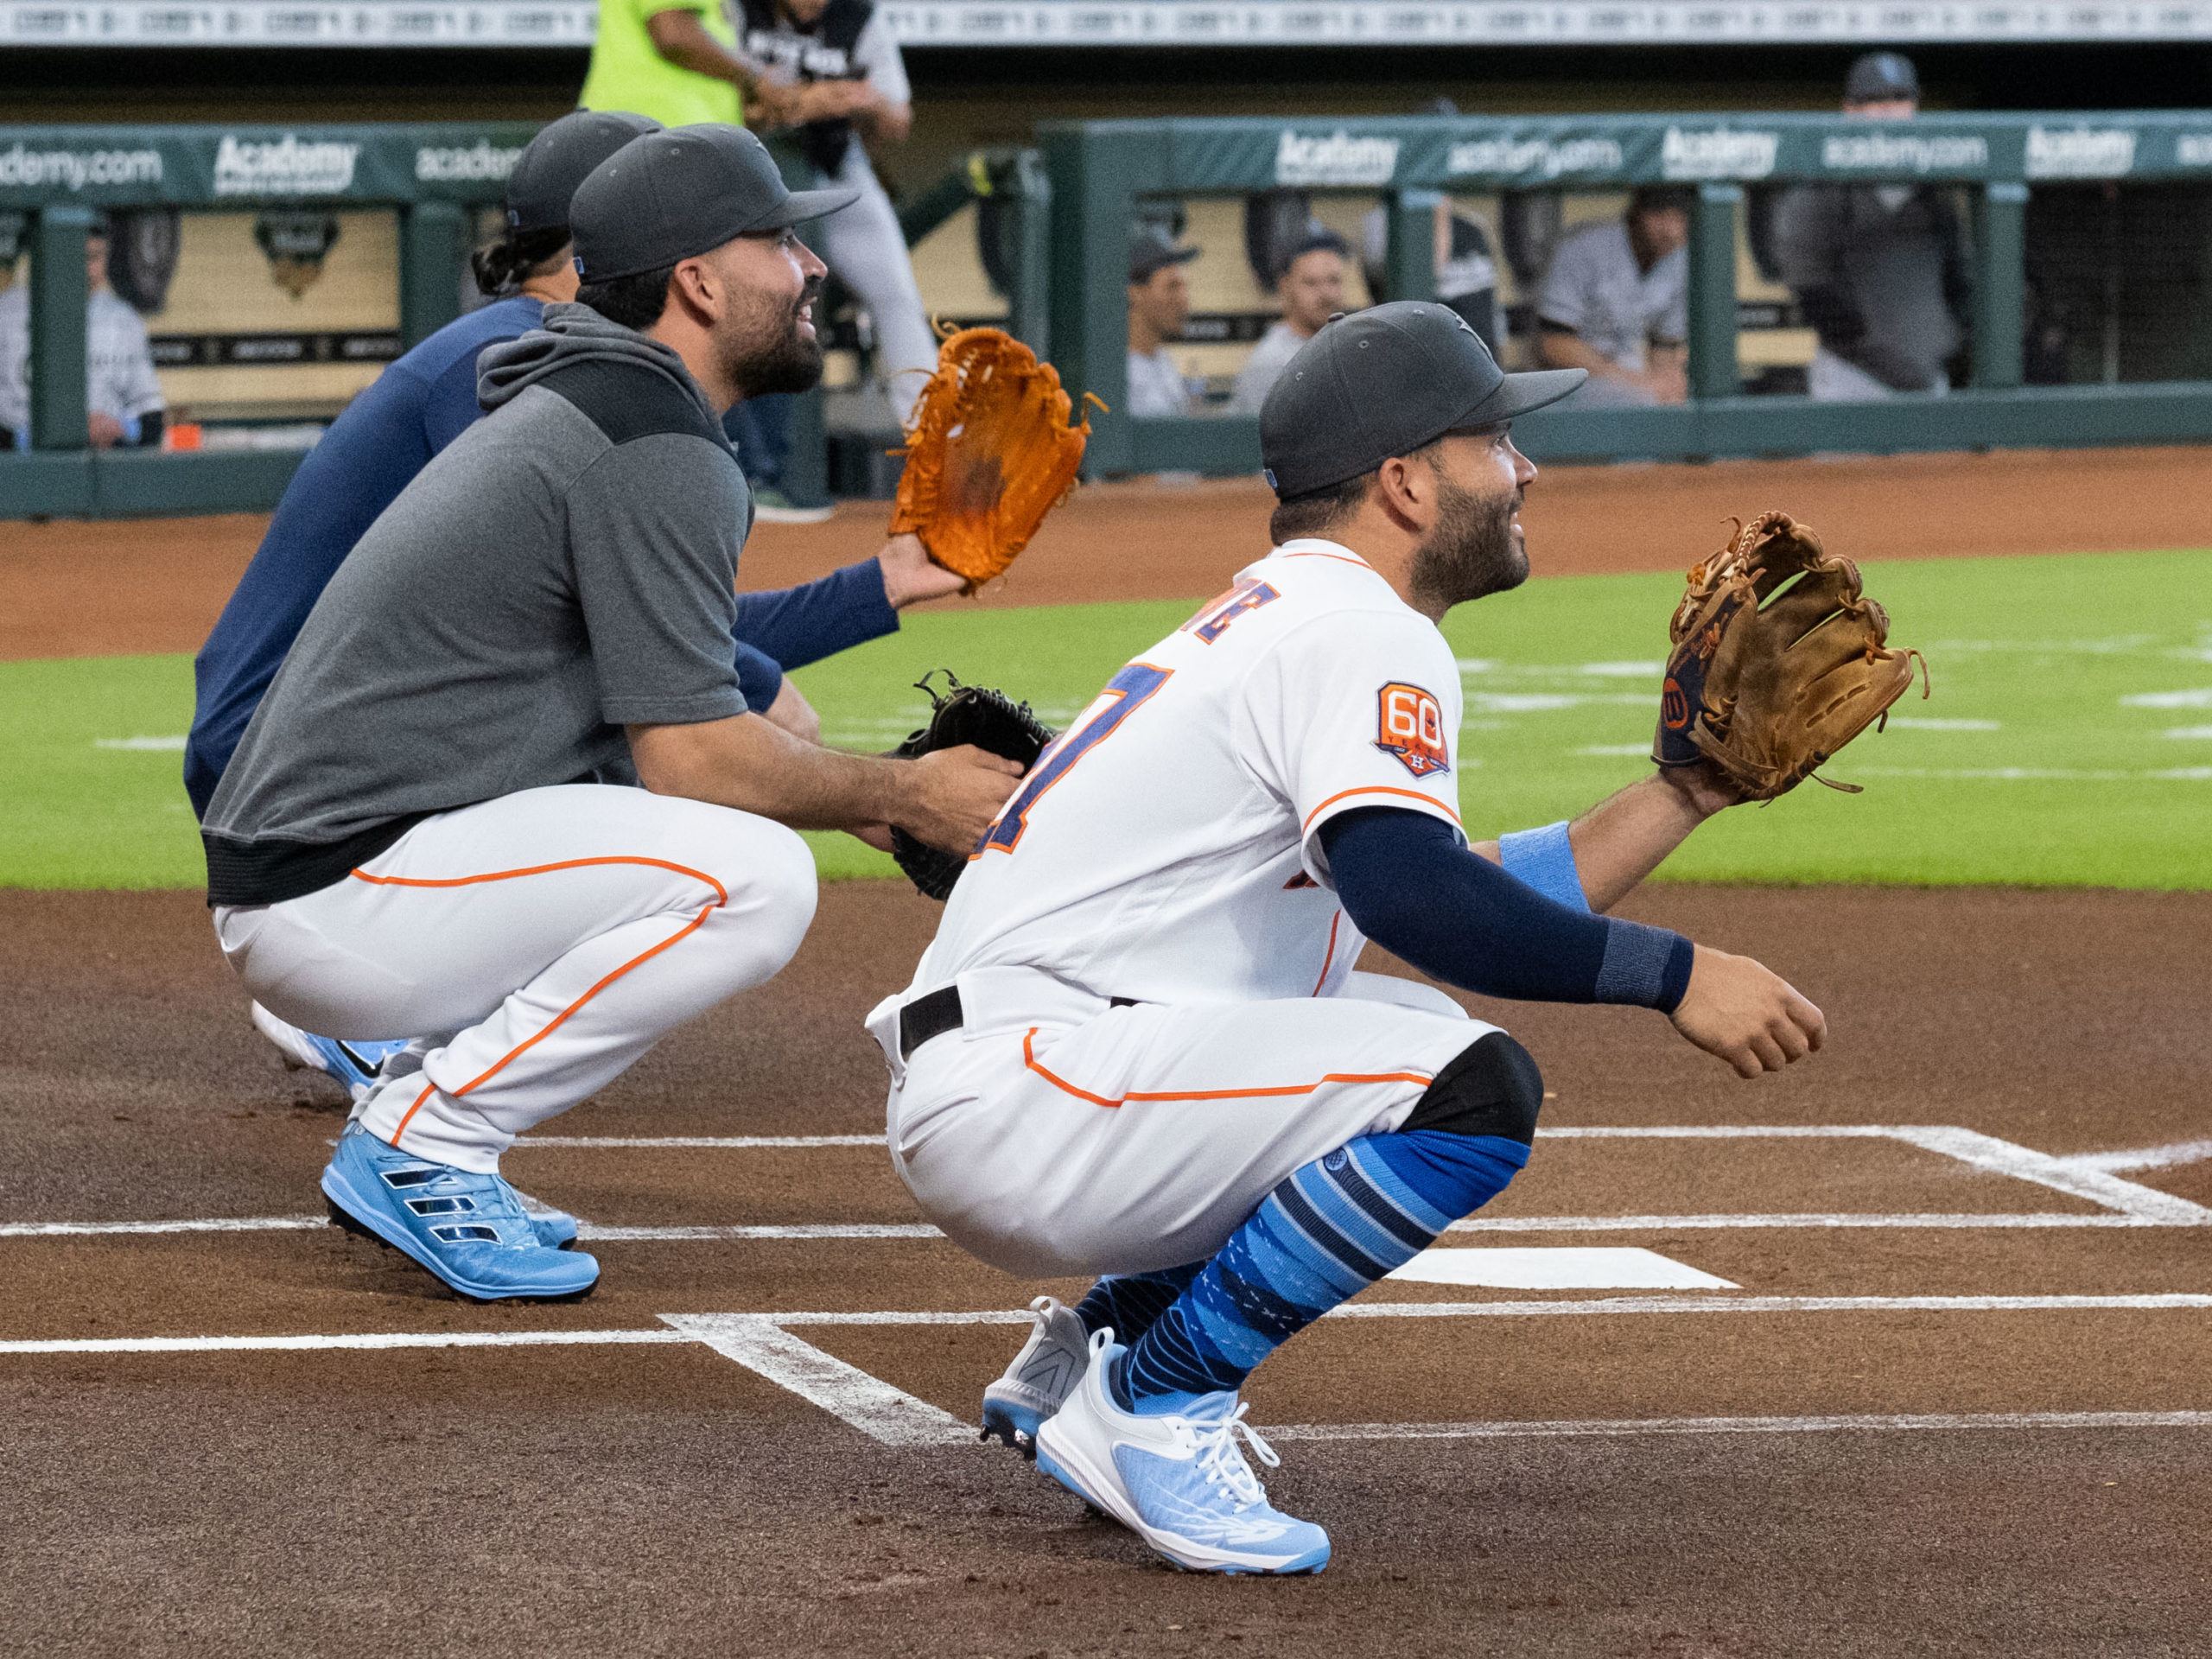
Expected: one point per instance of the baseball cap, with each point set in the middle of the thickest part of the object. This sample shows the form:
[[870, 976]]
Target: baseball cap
[[1317, 240], [1878, 77], [559, 159], [679, 192], [1382, 383], [1150, 251]]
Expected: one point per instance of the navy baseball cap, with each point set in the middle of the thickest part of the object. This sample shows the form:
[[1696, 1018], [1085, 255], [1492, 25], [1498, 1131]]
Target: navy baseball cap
[[679, 192], [1879, 77], [1382, 383], [560, 158], [1150, 251]]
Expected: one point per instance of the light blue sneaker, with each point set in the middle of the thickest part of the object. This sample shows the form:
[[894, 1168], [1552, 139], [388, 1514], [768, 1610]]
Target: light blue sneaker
[[466, 1228], [1179, 1481], [355, 1067], [352, 1064]]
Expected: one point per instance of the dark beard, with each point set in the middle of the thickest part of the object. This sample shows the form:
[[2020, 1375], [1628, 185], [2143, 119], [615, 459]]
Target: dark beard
[[1473, 551], [771, 355]]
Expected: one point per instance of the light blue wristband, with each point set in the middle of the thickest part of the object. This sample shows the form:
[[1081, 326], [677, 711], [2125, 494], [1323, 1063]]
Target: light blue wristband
[[1544, 859]]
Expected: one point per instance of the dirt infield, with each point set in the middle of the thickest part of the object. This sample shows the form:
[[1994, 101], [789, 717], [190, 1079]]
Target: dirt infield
[[635, 1489], [1954, 1397], [115, 588]]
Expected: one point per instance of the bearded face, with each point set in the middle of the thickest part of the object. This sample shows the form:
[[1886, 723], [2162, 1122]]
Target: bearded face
[[765, 346], [1474, 548]]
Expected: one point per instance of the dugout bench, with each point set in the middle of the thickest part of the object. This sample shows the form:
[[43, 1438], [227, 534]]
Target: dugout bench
[[1103, 174]]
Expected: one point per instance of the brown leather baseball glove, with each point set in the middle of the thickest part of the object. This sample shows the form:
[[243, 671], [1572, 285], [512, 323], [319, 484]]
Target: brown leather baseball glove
[[1779, 660], [990, 452]]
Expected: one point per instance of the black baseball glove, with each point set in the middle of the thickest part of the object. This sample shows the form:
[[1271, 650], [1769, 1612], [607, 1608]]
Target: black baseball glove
[[963, 714]]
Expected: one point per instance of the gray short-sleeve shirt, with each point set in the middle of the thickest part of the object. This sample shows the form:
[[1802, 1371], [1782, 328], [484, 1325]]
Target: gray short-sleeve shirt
[[564, 568], [1596, 288]]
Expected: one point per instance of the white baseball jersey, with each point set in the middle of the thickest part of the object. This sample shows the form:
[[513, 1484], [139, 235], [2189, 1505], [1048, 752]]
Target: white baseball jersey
[[1166, 848]]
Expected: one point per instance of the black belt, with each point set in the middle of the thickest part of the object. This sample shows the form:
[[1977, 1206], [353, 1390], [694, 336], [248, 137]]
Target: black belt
[[939, 1012]]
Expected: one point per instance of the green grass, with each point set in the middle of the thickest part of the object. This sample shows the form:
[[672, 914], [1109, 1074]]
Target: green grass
[[2054, 779]]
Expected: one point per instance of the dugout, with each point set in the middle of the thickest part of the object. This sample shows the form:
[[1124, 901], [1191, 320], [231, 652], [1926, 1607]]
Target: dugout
[[278, 269], [2100, 187]]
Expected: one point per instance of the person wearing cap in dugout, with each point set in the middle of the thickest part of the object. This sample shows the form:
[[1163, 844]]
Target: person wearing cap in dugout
[[387, 434], [1167, 1072], [1159, 304], [505, 791], [1879, 270]]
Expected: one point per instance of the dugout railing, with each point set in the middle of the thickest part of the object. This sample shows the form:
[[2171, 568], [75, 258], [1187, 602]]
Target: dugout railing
[[435, 178], [1104, 173]]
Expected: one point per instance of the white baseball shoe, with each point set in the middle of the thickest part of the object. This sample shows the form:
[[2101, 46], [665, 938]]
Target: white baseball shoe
[[1179, 1482], [1042, 1376]]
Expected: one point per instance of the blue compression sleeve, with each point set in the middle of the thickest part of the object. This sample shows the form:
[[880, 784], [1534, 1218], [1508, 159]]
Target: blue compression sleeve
[[802, 624], [1408, 884], [758, 678], [1545, 860]]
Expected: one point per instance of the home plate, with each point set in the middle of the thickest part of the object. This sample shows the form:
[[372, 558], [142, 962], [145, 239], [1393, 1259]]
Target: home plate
[[1563, 1268]]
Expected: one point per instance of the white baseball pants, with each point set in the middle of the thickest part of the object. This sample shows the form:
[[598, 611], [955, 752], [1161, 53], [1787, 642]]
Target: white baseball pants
[[538, 944], [1055, 1135], [863, 245]]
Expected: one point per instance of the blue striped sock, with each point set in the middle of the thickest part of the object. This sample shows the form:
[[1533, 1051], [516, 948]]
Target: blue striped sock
[[1129, 1302], [1333, 1228]]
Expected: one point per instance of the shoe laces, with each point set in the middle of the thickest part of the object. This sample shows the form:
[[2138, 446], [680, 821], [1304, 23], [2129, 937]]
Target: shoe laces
[[1222, 1461]]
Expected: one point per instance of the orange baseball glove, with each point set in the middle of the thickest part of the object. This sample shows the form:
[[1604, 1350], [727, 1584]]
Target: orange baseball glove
[[990, 452], [1779, 660]]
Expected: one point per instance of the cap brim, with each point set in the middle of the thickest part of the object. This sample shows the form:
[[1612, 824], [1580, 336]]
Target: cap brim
[[1145, 272], [802, 205], [1519, 394]]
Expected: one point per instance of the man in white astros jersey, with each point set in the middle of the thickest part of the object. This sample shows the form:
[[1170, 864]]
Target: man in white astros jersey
[[1137, 1047]]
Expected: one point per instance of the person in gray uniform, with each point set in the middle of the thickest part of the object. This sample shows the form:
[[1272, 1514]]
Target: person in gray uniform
[[505, 789], [1159, 304], [123, 402], [1879, 270], [811, 43], [1312, 289], [1616, 301]]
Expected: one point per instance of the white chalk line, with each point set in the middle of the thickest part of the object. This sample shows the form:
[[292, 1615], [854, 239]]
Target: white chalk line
[[589, 1232], [2089, 1176], [203, 1225], [765, 1344], [2173, 1155], [863, 1402], [1603, 1427], [1844, 1218], [1714, 1302], [718, 1143]]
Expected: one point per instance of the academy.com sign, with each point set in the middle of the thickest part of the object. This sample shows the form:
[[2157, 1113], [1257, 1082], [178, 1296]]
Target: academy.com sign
[[453, 165], [1539, 157], [286, 167], [1719, 153], [2081, 152], [1338, 159], [1903, 152], [73, 169]]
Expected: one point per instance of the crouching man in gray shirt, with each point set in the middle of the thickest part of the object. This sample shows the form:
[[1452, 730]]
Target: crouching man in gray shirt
[[433, 823]]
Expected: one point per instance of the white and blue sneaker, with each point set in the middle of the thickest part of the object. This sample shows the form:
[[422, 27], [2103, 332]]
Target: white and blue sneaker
[[1179, 1481], [468, 1229], [1042, 1376], [353, 1065]]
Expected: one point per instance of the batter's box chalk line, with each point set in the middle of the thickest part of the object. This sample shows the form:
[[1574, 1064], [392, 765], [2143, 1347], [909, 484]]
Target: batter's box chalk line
[[767, 1344], [2091, 1177]]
